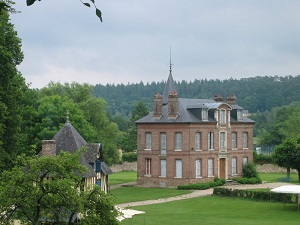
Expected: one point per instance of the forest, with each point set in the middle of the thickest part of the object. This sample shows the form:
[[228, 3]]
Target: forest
[[255, 94]]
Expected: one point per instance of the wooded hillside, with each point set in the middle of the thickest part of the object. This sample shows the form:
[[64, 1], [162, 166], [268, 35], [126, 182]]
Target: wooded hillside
[[254, 94]]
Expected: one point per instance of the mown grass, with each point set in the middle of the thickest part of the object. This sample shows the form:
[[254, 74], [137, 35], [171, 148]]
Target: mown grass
[[212, 210], [275, 177], [122, 177], [133, 194]]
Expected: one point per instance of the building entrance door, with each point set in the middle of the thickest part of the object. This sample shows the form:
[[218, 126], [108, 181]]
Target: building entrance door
[[222, 168]]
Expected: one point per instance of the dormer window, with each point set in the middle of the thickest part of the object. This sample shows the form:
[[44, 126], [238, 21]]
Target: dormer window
[[204, 114], [239, 115], [222, 116]]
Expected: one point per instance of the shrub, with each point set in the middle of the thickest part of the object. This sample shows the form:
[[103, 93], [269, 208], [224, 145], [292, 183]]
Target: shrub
[[249, 170], [244, 180], [261, 158], [202, 186], [129, 157], [255, 195]]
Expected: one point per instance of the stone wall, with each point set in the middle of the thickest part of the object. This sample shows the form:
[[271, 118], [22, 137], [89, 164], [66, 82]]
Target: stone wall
[[125, 166], [271, 168]]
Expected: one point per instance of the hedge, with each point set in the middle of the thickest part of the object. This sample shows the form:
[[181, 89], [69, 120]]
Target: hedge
[[254, 194], [244, 180], [129, 157], [202, 186]]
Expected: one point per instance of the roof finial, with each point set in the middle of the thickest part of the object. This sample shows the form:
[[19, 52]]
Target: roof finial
[[170, 60], [68, 116]]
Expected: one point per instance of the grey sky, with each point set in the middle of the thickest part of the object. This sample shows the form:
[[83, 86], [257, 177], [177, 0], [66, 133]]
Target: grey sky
[[214, 39]]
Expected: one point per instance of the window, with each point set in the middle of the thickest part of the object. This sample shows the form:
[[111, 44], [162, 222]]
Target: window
[[210, 140], [239, 115], [210, 168], [233, 166], [222, 116], [233, 140], [163, 168], [163, 143], [198, 168], [178, 168], [245, 140], [148, 167], [245, 161], [198, 141], [178, 140], [222, 141], [148, 140], [204, 114]]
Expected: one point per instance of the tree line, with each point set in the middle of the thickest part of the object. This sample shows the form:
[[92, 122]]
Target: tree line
[[259, 93]]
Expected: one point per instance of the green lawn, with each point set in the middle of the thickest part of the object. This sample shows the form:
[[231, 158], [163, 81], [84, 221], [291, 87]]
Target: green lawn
[[273, 177], [214, 210], [122, 177], [133, 194]]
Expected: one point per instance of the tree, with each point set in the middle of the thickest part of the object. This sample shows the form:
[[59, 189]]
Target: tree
[[12, 88], [98, 12], [48, 189], [287, 155]]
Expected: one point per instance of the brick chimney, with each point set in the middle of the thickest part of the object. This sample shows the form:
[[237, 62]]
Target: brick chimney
[[218, 98], [231, 99], [48, 148], [157, 105], [173, 105]]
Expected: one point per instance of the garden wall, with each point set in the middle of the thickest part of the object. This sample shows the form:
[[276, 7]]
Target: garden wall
[[125, 166], [271, 168]]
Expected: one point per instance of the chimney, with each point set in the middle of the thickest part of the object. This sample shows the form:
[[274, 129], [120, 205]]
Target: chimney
[[173, 108], [218, 98], [231, 99], [48, 148], [157, 105]]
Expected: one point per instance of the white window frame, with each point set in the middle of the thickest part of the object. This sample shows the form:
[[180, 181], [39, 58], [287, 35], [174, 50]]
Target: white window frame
[[197, 140], [234, 140], [245, 140], [245, 161], [210, 140], [178, 164], [233, 166], [178, 141], [148, 141], [163, 143], [222, 116], [204, 114], [239, 115], [198, 168], [210, 167], [163, 168], [222, 140], [148, 167]]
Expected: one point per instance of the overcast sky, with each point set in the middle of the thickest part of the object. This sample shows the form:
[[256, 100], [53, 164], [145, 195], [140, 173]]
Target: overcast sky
[[64, 41]]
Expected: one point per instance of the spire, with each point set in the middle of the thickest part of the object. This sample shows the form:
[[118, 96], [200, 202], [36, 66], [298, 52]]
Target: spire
[[170, 61], [68, 117], [170, 85]]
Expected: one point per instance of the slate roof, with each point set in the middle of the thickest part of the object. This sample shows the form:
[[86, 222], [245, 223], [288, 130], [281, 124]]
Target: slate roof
[[189, 112], [170, 87], [68, 139]]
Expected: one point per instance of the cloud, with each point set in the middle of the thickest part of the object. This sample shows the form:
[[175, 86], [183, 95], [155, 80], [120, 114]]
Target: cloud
[[210, 39]]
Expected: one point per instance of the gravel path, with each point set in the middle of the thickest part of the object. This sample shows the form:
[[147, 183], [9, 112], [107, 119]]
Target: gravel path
[[198, 193]]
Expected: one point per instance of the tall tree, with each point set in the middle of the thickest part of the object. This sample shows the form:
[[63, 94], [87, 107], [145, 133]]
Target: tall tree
[[287, 155], [12, 86]]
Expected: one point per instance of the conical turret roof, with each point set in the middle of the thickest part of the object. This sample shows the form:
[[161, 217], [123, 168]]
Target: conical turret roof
[[169, 88]]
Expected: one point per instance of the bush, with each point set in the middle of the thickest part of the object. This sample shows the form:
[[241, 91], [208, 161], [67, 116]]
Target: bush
[[244, 180], [129, 157], [249, 170], [202, 186], [261, 158], [256, 195]]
